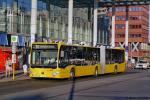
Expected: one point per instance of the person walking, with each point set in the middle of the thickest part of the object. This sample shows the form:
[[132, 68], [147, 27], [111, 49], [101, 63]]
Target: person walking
[[8, 67], [25, 69], [133, 63]]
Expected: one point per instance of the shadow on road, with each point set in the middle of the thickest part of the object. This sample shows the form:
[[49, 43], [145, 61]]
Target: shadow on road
[[72, 90], [32, 97], [116, 97]]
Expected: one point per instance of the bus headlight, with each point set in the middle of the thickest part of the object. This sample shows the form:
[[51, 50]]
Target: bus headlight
[[55, 73]]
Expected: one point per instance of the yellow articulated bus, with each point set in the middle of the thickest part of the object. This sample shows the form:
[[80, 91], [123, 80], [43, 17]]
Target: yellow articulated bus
[[59, 60]]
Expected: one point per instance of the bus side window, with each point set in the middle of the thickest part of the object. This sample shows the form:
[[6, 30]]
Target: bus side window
[[108, 56], [62, 53], [72, 55], [121, 56], [64, 58], [85, 55]]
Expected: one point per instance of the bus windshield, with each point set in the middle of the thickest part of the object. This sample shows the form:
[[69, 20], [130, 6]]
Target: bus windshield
[[44, 58]]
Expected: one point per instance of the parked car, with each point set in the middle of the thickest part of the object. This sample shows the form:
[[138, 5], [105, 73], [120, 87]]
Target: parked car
[[143, 64]]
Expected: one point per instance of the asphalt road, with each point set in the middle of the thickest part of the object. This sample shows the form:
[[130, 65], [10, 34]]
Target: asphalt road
[[134, 85]]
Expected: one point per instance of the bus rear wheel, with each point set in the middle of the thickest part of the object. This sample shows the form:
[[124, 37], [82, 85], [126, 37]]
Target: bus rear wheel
[[72, 74]]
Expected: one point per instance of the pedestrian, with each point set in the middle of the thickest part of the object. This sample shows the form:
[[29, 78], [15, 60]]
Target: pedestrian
[[129, 64], [133, 63], [25, 69], [8, 67]]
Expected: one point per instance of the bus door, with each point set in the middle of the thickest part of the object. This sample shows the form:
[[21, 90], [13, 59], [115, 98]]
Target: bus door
[[119, 60], [82, 66], [102, 59]]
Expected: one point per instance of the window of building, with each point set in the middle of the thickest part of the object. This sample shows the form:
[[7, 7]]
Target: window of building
[[135, 26], [120, 17], [120, 35], [120, 26], [133, 35], [135, 8], [135, 17], [120, 9], [110, 9]]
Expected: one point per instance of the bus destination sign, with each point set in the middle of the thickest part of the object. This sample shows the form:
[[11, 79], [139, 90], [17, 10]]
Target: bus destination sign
[[41, 46]]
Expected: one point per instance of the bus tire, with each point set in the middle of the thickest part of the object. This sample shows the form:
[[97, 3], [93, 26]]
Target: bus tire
[[72, 74], [115, 70], [96, 72]]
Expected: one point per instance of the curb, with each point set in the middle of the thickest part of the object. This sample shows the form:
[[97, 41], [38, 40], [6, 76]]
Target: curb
[[2, 75]]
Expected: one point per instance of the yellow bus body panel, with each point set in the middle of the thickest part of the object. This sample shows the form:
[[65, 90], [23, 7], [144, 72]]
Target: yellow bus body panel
[[110, 68], [121, 67], [63, 72], [42, 72], [86, 70]]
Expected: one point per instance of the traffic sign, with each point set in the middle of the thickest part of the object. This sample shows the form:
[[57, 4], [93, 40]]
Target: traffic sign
[[14, 48], [13, 58], [14, 38]]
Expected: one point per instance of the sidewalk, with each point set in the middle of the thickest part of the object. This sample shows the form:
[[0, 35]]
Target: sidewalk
[[19, 75]]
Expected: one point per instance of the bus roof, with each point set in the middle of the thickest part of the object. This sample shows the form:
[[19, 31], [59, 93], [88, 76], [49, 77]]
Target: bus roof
[[62, 43], [44, 43], [117, 48]]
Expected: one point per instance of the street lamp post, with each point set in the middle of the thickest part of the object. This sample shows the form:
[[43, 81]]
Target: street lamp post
[[70, 21], [126, 34], [113, 27], [95, 23], [33, 19]]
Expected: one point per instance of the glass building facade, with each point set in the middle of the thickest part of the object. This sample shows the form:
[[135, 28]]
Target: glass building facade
[[82, 25], [52, 19], [103, 35], [15, 16]]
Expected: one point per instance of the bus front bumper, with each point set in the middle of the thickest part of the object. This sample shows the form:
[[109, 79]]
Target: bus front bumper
[[46, 74]]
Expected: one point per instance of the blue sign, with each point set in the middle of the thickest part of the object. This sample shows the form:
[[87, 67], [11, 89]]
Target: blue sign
[[3, 39], [21, 41]]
